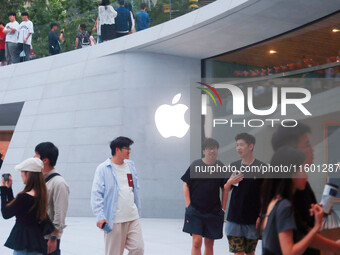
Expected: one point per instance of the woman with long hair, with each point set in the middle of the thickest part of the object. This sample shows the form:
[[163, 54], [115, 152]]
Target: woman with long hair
[[106, 20], [128, 6], [29, 208], [283, 232]]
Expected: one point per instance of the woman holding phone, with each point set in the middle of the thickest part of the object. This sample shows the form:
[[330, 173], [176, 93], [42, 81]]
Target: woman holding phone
[[283, 232], [29, 208]]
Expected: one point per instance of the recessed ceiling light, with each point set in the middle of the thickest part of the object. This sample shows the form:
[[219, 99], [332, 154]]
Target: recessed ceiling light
[[335, 30], [272, 51]]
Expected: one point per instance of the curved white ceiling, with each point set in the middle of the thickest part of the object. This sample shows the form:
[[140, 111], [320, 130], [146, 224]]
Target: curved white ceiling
[[226, 25]]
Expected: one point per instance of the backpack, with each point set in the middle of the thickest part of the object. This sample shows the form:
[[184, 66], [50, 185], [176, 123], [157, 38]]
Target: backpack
[[85, 40]]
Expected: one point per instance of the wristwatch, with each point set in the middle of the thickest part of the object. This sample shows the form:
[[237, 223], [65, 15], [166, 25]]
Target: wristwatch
[[53, 238]]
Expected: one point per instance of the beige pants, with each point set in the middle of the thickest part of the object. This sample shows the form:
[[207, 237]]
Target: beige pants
[[127, 235]]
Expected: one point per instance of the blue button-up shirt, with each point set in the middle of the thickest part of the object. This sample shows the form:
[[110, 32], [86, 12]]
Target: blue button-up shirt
[[105, 191]]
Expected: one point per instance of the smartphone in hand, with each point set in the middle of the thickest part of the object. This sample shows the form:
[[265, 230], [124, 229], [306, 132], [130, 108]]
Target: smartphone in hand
[[6, 177]]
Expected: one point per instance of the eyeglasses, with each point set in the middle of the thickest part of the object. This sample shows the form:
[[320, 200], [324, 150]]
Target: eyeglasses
[[211, 149]]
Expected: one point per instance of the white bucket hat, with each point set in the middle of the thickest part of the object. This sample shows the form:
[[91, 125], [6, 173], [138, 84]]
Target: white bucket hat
[[31, 165]]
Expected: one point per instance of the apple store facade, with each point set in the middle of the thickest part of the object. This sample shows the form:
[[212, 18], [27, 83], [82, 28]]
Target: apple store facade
[[140, 86]]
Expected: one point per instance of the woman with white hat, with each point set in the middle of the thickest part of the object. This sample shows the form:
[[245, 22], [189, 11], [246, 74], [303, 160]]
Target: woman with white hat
[[29, 208]]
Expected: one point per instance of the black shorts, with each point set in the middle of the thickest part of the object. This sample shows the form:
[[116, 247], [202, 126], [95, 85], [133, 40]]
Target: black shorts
[[207, 225], [2, 55]]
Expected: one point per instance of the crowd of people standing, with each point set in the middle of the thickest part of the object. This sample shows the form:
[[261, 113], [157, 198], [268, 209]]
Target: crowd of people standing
[[16, 39], [112, 23], [281, 211]]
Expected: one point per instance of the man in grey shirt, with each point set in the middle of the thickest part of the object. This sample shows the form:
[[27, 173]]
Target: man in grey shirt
[[58, 193]]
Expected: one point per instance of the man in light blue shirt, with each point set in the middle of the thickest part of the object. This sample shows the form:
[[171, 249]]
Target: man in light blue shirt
[[115, 201], [142, 18]]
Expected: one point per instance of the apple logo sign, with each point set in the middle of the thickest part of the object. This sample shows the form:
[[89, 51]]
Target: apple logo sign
[[170, 120]]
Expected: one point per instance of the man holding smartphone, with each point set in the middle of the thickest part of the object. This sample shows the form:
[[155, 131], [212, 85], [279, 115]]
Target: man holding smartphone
[[53, 39], [115, 201]]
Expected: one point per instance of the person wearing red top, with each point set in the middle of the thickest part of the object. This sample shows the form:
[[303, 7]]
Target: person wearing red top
[[2, 44]]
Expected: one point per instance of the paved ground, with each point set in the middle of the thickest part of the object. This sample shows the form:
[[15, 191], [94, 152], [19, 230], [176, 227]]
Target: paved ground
[[161, 237]]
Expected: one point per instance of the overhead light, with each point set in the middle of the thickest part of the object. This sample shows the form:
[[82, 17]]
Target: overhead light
[[272, 51], [335, 30]]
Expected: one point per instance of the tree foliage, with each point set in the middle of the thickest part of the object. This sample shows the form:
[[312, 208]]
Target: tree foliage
[[70, 13]]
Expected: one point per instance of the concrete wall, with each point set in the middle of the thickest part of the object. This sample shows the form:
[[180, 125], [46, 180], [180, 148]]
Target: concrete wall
[[81, 105], [83, 99]]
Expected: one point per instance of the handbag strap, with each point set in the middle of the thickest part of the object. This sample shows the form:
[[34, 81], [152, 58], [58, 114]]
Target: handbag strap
[[51, 176]]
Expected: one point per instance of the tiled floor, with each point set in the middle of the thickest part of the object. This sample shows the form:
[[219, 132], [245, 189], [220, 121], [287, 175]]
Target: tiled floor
[[161, 237]]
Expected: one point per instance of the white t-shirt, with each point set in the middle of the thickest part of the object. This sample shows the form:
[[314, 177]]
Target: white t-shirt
[[12, 37], [25, 28], [126, 207], [107, 16]]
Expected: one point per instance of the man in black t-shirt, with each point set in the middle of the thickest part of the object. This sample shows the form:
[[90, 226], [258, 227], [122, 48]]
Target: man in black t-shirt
[[204, 214], [245, 203]]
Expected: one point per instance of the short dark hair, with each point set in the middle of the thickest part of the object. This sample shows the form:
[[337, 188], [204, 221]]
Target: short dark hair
[[210, 143], [12, 14], [249, 139], [24, 14], [53, 24], [288, 135], [121, 2], [48, 150], [142, 6], [83, 26], [2, 23], [119, 143]]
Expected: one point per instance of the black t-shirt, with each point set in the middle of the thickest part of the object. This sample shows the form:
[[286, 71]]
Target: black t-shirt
[[53, 40], [84, 39], [204, 193], [245, 203]]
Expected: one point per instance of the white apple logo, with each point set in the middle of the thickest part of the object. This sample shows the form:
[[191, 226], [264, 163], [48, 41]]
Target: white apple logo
[[170, 119]]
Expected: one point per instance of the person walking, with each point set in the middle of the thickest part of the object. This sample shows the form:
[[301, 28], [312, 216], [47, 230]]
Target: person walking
[[128, 6], [115, 201], [83, 37], [58, 194], [123, 20], [106, 20], [142, 18], [29, 208]]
